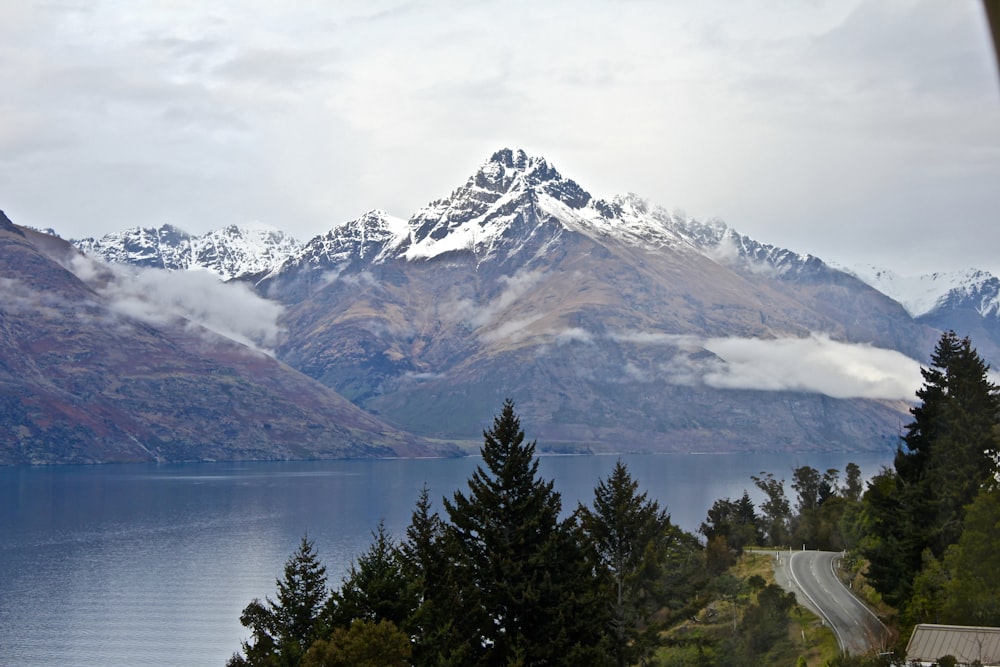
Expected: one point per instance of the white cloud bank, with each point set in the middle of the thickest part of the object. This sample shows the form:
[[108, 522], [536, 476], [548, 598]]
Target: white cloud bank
[[815, 364], [157, 297]]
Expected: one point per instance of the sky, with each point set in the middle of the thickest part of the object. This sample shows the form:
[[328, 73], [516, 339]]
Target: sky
[[860, 131]]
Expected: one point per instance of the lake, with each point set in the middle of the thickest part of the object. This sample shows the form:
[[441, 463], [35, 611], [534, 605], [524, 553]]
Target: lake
[[152, 564]]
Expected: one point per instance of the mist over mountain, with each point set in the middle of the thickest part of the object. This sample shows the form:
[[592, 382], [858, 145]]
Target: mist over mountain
[[615, 324], [92, 371]]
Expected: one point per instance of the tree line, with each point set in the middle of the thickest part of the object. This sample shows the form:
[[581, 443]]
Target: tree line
[[501, 579]]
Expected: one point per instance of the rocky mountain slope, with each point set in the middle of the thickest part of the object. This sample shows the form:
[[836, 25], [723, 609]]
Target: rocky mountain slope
[[602, 319], [615, 325], [82, 380]]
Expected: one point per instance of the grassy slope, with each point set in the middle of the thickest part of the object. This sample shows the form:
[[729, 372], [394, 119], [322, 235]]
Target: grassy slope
[[690, 642]]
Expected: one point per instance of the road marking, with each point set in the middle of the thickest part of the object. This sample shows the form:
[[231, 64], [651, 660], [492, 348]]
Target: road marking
[[826, 619]]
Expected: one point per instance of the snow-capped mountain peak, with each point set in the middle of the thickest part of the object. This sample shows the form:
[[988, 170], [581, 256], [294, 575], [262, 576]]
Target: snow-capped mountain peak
[[507, 168], [231, 252], [924, 294]]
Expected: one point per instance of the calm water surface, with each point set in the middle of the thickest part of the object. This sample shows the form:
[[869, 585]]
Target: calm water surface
[[151, 565]]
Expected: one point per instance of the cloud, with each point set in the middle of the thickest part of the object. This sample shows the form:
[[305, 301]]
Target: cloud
[[512, 331], [19, 297], [160, 297], [574, 335], [494, 317], [816, 364], [306, 114]]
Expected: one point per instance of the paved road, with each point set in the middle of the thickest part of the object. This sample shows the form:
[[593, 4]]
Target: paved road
[[810, 575]]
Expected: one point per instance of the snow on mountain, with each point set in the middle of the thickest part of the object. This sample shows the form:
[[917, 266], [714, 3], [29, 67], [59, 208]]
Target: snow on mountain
[[231, 252], [514, 203], [924, 294], [369, 238], [507, 200]]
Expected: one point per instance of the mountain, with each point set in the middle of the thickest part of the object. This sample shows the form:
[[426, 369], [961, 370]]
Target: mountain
[[615, 324], [966, 301], [231, 252], [85, 380], [603, 319]]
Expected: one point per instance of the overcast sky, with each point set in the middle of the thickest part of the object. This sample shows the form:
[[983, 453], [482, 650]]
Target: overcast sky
[[858, 131]]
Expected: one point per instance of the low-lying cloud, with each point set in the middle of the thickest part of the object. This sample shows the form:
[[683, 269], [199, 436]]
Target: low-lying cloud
[[816, 364], [158, 297]]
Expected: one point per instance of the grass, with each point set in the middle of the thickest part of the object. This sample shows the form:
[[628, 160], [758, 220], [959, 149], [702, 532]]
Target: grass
[[695, 640]]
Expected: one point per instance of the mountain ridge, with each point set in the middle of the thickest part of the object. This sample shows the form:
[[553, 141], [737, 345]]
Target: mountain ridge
[[615, 324], [523, 284], [84, 382]]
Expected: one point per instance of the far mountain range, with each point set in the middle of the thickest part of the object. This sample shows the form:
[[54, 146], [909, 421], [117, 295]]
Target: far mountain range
[[615, 325]]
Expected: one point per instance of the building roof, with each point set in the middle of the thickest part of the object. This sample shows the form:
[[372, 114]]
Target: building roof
[[966, 643]]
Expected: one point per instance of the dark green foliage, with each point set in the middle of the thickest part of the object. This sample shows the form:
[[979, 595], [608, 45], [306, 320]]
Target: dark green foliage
[[807, 483], [776, 510], [718, 556], [734, 521], [283, 629], [974, 589], [628, 537], [946, 457], [970, 584], [502, 581], [853, 486], [518, 566], [884, 537], [427, 563], [822, 505], [764, 623], [375, 589]]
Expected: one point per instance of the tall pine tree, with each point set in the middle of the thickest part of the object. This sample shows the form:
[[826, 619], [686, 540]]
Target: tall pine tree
[[284, 629], [946, 456], [375, 588], [628, 535], [518, 567]]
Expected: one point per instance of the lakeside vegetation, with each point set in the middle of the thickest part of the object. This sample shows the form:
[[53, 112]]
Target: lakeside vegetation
[[501, 579]]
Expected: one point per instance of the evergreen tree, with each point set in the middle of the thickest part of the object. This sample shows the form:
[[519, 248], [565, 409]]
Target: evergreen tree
[[375, 588], [883, 537], [948, 447], [284, 629], [427, 559], [517, 565], [972, 591], [628, 535], [734, 521], [945, 458]]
